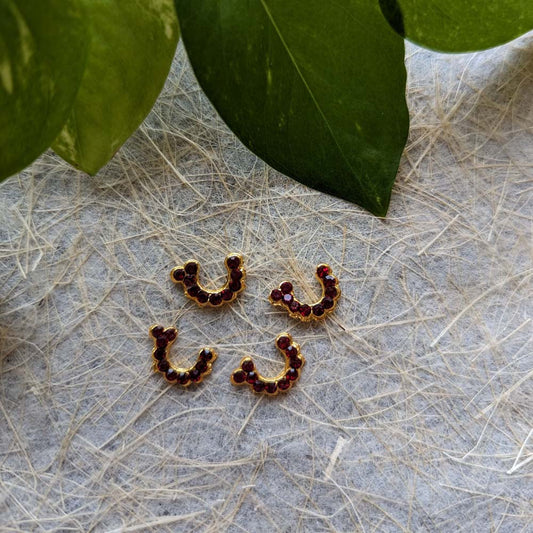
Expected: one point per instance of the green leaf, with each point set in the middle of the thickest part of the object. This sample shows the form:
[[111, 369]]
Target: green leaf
[[315, 88], [132, 46], [43, 46], [459, 25]]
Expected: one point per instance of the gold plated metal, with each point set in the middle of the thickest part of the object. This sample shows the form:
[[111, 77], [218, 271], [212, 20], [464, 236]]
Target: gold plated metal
[[247, 374], [284, 297], [188, 275], [163, 340]]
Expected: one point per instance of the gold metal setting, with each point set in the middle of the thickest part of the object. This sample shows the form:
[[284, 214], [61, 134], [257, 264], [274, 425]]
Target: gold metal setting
[[188, 275], [247, 374], [163, 340]]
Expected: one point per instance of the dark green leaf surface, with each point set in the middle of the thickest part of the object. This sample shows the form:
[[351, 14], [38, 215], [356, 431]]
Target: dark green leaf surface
[[315, 88], [459, 25], [132, 46], [43, 46]]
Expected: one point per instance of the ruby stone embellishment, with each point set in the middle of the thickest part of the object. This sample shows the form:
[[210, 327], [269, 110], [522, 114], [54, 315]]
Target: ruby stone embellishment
[[284, 297], [188, 275], [247, 373], [163, 339]]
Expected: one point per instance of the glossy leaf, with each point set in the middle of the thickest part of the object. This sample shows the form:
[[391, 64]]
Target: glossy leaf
[[132, 46], [43, 46], [459, 25], [315, 88]]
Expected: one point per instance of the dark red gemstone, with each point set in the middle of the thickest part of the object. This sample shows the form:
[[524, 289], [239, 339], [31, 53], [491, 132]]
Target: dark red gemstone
[[215, 298], [322, 271], [291, 351], [295, 362], [259, 386], [248, 366], [251, 377], [202, 297], [161, 341], [201, 366], [327, 303], [171, 375], [183, 378], [236, 275], [271, 387], [292, 374], [287, 299], [233, 262], [163, 365], [160, 354], [318, 310], [239, 376], [171, 334], [195, 374], [276, 295], [286, 287], [284, 342], [284, 384], [178, 274], [329, 280], [235, 286], [331, 292], [294, 306], [206, 355], [191, 268], [193, 291], [305, 310], [226, 294], [157, 331], [189, 281]]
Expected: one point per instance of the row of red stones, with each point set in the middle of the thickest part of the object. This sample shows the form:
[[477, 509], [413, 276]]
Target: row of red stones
[[194, 375], [188, 275], [248, 374], [284, 295]]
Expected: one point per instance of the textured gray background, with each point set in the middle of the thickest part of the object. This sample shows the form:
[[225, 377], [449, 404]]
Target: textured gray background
[[414, 411]]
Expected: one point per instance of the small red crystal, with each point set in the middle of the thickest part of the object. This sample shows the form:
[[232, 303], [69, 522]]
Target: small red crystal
[[276, 295], [201, 366], [292, 374], [171, 375], [284, 384], [259, 386], [248, 365], [291, 351], [195, 374], [161, 341], [329, 280], [330, 292], [226, 294], [318, 310], [171, 334], [193, 291], [215, 298], [294, 306], [305, 310], [160, 354], [322, 270], [295, 362], [327, 302], [183, 378], [287, 299], [202, 297], [191, 268], [271, 387], [286, 287], [206, 355], [189, 281], [251, 377], [236, 275], [163, 365], [284, 342], [239, 376], [157, 331], [235, 286], [178, 274], [233, 262]]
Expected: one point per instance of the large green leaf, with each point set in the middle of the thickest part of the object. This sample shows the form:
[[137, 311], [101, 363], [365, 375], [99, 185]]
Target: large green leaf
[[315, 88], [132, 46], [43, 46], [459, 25]]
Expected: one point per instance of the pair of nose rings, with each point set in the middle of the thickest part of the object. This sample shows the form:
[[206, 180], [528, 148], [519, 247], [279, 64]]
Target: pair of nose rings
[[246, 374]]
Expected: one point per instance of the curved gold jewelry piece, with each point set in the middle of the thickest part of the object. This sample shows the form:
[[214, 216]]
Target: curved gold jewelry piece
[[284, 297], [246, 374], [163, 339], [188, 275]]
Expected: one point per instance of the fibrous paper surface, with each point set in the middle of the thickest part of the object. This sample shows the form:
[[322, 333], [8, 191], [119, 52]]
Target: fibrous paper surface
[[414, 410]]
